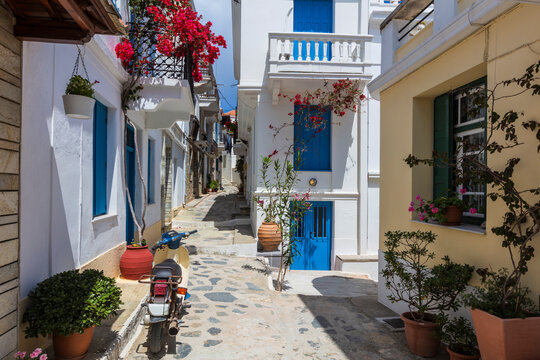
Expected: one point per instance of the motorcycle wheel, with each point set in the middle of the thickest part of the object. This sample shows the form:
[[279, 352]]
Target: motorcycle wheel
[[156, 337]]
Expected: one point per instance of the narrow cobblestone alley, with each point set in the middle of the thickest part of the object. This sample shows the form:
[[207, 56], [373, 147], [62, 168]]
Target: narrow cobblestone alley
[[234, 313]]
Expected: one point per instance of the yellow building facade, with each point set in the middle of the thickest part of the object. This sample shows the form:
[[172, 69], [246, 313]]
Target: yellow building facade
[[498, 50]]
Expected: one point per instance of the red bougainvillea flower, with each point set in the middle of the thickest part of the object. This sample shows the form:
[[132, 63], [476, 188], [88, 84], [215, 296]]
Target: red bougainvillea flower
[[273, 153], [124, 51]]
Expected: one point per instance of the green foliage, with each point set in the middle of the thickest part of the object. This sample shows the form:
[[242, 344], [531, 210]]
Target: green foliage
[[492, 298], [80, 86], [213, 185], [71, 301], [501, 293], [410, 280], [459, 335]]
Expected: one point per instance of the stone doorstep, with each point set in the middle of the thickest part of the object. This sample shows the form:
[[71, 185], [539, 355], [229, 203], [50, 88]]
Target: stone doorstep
[[357, 258]]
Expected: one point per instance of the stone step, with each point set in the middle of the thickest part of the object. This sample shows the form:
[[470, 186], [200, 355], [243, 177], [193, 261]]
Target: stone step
[[359, 264]]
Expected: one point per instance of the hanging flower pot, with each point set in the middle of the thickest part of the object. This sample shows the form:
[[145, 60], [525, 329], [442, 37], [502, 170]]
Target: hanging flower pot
[[269, 236], [79, 98], [135, 262], [78, 106]]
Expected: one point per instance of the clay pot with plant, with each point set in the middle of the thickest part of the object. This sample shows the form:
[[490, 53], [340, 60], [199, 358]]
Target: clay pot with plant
[[458, 334], [136, 261], [447, 210], [428, 292], [79, 98], [68, 306]]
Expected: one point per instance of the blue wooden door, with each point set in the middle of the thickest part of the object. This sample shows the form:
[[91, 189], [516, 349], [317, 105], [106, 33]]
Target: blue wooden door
[[313, 16], [314, 238], [130, 174]]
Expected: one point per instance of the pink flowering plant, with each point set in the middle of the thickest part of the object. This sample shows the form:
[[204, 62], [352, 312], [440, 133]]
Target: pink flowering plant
[[436, 209], [37, 354]]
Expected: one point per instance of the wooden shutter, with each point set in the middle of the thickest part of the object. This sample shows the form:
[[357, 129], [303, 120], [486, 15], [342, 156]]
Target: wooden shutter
[[313, 16], [443, 144], [100, 159], [315, 147]]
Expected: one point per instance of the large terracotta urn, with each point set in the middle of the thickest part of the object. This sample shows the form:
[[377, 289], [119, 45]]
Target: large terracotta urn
[[506, 339], [422, 336], [73, 346], [269, 235], [135, 262]]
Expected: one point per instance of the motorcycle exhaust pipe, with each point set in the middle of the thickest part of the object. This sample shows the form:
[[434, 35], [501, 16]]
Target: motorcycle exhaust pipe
[[173, 328]]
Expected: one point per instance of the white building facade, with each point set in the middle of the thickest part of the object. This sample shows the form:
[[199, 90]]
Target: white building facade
[[346, 38]]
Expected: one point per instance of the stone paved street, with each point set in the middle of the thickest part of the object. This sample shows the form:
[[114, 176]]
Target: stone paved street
[[234, 315]]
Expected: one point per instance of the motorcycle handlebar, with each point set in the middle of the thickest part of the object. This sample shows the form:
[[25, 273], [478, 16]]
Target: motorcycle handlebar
[[192, 232]]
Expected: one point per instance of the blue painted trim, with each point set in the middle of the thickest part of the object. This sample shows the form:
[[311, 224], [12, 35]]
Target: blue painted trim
[[99, 177]]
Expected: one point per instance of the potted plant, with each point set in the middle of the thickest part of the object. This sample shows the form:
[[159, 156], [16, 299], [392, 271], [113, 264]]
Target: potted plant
[[213, 186], [136, 261], [428, 292], [458, 334], [447, 210], [78, 100], [69, 305]]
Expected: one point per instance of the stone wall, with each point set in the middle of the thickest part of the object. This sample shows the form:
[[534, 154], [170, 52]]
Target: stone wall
[[10, 122]]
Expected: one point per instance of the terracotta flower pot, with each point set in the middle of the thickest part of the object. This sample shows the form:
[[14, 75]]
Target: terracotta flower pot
[[422, 337], [506, 339], [78, 106], [458, 356], [453, 216], [269, 236], [74, 346], [136, 261]]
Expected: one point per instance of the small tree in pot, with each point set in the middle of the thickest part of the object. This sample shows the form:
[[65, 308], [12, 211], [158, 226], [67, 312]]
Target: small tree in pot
[[458, 334], [428, 292], [69, 305]]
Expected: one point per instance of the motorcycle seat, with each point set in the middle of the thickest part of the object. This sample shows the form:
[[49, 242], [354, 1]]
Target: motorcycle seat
[[167, 268]]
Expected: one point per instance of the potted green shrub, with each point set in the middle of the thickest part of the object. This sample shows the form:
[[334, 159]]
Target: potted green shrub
[[428, 292], [69, 305], [458, 334], [447, 210], [213, 185], [78, 100]]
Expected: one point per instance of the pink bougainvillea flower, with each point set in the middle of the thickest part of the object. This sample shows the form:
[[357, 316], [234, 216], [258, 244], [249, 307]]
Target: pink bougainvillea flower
[[411, 208], [431, 206], [412, 203], [421, 217], [417, 197], [434, 210], [462, 191], [421, 202], [43, 357], [20, 354], [473, 210], [35, 353]]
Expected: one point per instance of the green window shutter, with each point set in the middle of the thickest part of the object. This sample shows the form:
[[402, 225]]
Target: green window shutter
[[443, 143]]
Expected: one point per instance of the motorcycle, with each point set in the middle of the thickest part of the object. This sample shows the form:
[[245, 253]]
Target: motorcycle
[[168, 287]]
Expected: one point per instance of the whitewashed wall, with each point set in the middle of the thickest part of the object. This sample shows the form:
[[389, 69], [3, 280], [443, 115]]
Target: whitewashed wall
[[58, 231]]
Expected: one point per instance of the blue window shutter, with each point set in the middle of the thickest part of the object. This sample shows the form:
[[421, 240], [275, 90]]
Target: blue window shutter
[[313, 16], [100, 159], [314, 145]]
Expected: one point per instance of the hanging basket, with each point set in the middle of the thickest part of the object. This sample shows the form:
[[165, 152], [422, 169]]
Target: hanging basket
[[78, 106]]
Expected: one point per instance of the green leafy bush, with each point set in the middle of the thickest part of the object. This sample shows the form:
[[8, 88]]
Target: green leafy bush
[[459, 335], [213, 185], [80, 86], [410, 280], [71, 301]]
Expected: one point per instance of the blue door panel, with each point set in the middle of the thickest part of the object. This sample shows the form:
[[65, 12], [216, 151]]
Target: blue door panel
[[314, 238], [312, 16]]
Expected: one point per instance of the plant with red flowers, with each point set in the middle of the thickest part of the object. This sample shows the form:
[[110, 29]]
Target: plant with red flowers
[[311, 107], [162, 32]]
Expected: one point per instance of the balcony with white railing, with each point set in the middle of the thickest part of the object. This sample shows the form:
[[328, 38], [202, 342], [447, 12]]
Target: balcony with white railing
[[303, 55]]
